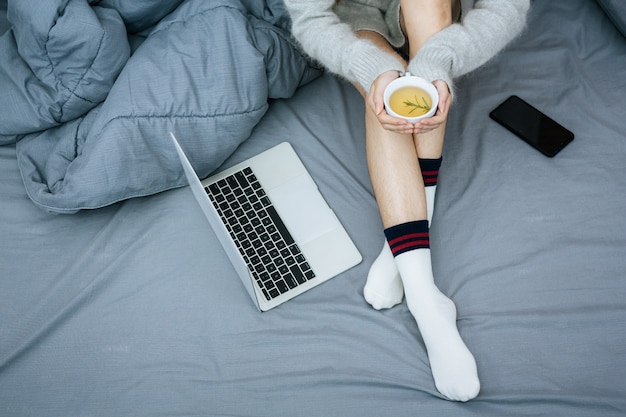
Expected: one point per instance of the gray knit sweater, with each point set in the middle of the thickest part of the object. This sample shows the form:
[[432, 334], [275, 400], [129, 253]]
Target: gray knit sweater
[[485, 28]]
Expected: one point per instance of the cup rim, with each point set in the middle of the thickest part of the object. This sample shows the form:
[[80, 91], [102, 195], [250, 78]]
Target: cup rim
[[411, 80]]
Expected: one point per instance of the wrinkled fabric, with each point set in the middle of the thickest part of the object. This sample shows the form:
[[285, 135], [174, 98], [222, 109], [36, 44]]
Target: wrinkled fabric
[[91, 90]]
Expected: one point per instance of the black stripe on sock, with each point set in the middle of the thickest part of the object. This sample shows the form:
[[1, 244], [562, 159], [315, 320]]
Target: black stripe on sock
[[430, 170], [408, 236]]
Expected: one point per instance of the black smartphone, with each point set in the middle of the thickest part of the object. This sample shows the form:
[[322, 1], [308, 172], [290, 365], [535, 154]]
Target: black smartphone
[[532, 126]]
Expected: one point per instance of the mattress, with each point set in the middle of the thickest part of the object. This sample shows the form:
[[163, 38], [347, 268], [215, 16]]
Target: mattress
[[134, 308]]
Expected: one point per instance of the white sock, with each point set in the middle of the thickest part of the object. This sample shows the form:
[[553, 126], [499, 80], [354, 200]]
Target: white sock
[[383, 288], [452, 364], [430, 201], [429, 168]]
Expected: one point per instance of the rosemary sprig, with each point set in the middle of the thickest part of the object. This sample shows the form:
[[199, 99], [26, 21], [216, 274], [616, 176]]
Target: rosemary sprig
[[416, 105]]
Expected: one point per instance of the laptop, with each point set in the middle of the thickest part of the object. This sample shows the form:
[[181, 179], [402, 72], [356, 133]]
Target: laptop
[[274, 224]]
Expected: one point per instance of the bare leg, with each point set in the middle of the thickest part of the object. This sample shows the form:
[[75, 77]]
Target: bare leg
[[453, 366], [383, 288], [399, 189], [420, 20], [394, 173]]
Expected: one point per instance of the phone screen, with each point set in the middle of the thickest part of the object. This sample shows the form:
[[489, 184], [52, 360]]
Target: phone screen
[[531, 125]]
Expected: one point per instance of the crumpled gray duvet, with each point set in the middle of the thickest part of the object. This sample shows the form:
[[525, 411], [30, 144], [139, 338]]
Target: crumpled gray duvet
[[90, 89]]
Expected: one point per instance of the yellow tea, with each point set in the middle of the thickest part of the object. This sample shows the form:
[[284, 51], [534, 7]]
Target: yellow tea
[[410, 101]]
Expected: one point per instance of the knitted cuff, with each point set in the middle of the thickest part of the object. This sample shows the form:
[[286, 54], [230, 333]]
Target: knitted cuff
[[366, 62], [433, 64]]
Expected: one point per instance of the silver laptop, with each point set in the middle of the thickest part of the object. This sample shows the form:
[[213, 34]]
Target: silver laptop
[[278, 231]]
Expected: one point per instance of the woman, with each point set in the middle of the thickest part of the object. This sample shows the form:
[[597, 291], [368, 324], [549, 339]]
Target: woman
[[364, 41]]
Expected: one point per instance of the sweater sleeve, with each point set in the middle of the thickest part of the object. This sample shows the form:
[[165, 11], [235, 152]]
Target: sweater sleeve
[[483, 32], [333, 43]]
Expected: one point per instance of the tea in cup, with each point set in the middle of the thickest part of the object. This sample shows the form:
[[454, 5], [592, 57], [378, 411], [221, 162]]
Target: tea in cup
[[411, 98]]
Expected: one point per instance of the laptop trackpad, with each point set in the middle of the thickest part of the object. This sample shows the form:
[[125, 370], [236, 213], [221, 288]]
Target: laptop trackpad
[[303, 209]]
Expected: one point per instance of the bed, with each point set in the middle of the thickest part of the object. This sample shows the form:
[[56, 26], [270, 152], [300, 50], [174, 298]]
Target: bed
[[123, 303]]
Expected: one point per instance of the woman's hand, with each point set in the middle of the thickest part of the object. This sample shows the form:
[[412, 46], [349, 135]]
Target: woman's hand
[[440, 117], [376, 103]]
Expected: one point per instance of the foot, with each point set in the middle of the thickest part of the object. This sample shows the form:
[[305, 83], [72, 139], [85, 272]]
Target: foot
[[452, 364], [383, 288]]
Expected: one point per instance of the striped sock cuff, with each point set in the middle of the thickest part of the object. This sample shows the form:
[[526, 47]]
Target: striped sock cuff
[[408, 236], [430, 170]]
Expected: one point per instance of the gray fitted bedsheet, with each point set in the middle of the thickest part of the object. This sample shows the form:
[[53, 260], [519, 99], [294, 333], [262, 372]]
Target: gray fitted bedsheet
[[134, 309]]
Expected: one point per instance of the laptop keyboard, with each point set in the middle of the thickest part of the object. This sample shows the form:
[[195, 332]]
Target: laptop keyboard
[[264, 242]]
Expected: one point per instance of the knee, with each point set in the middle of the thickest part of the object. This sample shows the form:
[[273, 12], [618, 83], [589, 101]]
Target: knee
[[420, 19], [426, 15]]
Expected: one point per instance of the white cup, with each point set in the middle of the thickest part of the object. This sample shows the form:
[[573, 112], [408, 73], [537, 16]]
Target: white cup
[[409, 80]]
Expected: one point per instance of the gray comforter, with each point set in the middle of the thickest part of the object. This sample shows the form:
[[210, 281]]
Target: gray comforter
[[91, 88]]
